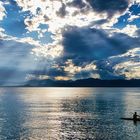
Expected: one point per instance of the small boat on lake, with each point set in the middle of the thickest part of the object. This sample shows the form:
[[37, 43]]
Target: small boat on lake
[[135, 118], [130, 119]]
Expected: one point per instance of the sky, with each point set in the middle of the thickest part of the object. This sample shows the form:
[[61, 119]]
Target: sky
[[69, 40]]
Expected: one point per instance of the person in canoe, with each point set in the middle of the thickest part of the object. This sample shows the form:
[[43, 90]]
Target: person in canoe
[[135, 116]]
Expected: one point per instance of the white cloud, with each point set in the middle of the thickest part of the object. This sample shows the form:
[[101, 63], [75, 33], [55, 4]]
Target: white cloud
[[130, 69], [130, 30], [2, 11], [128, 64], [72, 70], [2, 33], [49, 51], [133, 17]]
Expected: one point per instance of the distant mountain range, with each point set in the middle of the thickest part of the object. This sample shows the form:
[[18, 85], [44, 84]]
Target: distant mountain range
[[84, 83]]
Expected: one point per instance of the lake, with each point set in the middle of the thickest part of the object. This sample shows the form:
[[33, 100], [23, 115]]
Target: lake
[[68, 113]]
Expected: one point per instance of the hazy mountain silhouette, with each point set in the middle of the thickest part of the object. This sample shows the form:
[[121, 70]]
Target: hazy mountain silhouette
[[84, 83]]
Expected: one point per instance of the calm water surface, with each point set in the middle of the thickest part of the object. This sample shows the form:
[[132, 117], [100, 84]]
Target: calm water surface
[[68, 113]]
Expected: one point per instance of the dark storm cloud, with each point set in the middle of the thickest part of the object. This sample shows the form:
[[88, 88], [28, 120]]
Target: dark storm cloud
[[100, 6], [109, 6], [77, 3], [85, 44], [52, 72], [105, 69], [82, 75], [55, 72]]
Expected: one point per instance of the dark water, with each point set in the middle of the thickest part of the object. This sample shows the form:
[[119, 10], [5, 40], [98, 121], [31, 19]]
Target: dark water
[[68, 113]]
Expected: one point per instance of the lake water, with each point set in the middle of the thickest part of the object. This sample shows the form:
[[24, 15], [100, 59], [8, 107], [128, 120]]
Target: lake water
[[68, 113]]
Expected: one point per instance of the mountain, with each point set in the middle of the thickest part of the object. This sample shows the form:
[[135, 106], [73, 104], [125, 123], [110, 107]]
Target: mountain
[[84, 83]]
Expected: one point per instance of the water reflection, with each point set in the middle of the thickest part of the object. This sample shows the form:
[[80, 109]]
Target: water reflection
[[12, 116], [68, 113]]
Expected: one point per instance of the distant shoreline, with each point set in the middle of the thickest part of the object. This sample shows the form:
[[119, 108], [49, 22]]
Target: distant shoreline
[[79, 83]]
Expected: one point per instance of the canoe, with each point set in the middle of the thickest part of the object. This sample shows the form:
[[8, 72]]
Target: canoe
[[131, 119]]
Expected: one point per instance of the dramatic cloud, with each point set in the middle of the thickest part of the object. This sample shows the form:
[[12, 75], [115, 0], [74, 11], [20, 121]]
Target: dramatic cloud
[[95, 44], [109, 6], [127, 65], [66, 71], [69, 39]]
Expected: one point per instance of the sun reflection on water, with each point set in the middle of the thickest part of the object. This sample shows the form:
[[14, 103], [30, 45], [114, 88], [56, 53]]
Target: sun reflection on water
[[67, 113], [56, 108]]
